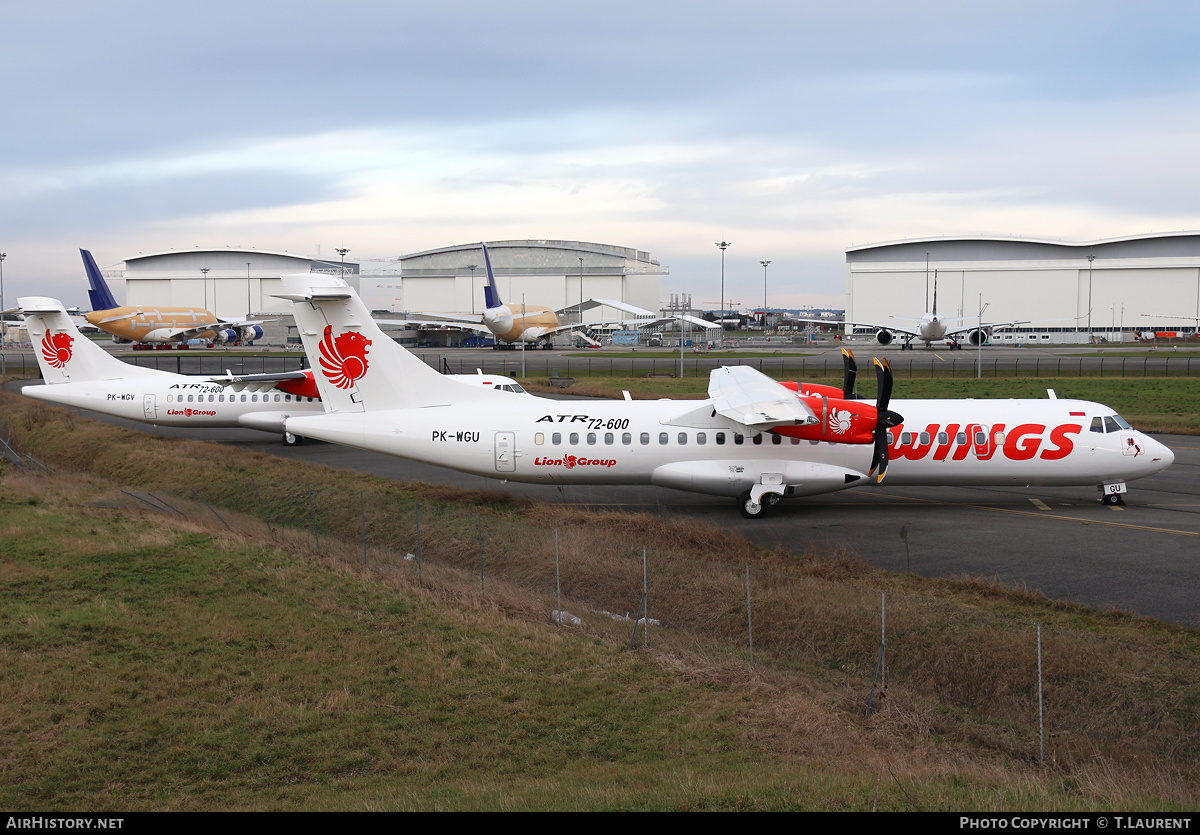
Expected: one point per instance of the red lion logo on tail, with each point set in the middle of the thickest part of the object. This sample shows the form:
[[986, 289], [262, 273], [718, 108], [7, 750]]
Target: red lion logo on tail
[[344, 360], [56, 348]]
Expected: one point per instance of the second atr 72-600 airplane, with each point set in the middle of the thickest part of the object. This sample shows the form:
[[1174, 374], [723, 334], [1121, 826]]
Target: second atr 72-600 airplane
[[754, 439], [79, 373]]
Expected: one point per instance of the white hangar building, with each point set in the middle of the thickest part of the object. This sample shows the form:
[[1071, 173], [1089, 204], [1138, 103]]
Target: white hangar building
[[556, 274], [1132, 283], [238, 282]]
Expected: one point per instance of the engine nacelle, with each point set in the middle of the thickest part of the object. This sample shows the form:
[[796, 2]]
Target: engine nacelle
[[251, 333], [841, 421], [225, 336], [977, 337], [884, 337]]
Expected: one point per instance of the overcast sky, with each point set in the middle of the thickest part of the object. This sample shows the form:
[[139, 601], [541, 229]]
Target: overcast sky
[[791, 129]]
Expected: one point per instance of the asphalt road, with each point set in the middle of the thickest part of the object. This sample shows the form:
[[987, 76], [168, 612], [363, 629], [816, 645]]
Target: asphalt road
[[1143, 557]]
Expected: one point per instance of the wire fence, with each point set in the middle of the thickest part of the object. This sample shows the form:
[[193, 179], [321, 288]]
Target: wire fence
[[887, 652], [691, 366]]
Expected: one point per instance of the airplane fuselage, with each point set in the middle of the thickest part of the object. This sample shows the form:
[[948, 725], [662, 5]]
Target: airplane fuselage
[[179, 400], [140, 323], [519, 323], [681, 444]]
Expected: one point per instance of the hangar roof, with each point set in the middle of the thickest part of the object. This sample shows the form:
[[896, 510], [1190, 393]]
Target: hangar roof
[[227, 258], [1000, 248], [532, 257]]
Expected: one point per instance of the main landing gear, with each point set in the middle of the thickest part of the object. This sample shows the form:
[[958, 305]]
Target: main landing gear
[[752, 509], [292, 440]]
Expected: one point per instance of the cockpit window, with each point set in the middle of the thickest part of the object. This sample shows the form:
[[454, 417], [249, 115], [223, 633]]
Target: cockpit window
[[1111, 425], [1121, 422], [1098, 425]]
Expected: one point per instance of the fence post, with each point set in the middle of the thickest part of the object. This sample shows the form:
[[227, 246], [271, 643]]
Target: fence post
[[417, 513], [262, 507], [1041, 710], [749, 618], [313, 512]]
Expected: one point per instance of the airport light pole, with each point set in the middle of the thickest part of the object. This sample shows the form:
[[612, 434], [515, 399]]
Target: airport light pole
[[764, 322], [3, 327], [722, 245], [204, 272], [979, 344], [1090, 258], [472, 268], [342, 268]]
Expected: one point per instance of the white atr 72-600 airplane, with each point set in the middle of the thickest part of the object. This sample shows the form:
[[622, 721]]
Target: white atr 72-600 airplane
[[753, 439], [79, 373]]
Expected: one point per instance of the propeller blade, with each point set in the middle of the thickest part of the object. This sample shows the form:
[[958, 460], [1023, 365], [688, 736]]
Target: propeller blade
[[884, 419], [851, 374]]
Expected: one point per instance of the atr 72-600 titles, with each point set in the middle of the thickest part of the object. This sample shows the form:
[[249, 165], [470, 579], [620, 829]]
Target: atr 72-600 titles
[[79, 373], [754, 438]]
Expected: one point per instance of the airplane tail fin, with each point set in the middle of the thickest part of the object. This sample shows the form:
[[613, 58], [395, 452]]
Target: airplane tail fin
[[491, 295], [63, 353], [357, 367], [101, 297]]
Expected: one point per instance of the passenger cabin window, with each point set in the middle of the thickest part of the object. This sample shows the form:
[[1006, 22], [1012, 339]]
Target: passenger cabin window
[[738, 439], [644, 438], [663, 438], [923, 437], [720, 438], [682, 438], [591, 437], [701, 438], [758, 439], [626, 438], [574, 438], [608, 437], [556, 438], [776, 439], [960, 438], [539, 439], [943, 438]]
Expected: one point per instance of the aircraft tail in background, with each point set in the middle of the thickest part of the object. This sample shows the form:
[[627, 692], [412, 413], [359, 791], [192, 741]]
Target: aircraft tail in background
[[101, 297]]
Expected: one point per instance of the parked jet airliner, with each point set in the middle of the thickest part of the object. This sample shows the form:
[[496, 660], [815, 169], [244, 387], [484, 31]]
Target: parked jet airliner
[[754, 438], [79, 373], [153, 324], [534, 324]]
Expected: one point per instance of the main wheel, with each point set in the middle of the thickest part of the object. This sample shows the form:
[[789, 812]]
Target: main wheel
[[756, 510], [292, 440]]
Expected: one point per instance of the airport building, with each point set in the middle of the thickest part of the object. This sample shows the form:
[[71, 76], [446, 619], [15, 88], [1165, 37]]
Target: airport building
[[1112, 289], [560, 275], [231, 282]]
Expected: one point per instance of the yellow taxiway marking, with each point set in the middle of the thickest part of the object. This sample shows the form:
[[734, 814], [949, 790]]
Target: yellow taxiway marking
[[939, 356], [1114, 507], [1039, 504]]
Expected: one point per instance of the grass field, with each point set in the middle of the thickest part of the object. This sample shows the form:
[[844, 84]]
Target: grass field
[[174, 659]]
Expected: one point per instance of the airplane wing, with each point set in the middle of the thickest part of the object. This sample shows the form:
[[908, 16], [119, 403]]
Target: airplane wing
[[437, 323], [753, 400], [873, 325], [257, 382]]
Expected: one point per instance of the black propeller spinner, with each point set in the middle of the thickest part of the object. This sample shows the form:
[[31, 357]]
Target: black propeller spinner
[[885, 419]]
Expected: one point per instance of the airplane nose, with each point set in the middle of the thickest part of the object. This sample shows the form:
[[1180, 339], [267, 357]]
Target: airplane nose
[[1160, 454]]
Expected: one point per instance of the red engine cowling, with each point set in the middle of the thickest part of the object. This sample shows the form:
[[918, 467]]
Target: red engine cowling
[[842, 421], [301, 388]]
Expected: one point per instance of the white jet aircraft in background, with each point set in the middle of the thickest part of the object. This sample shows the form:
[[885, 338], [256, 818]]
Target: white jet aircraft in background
[[77, 372], [753, 439]]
